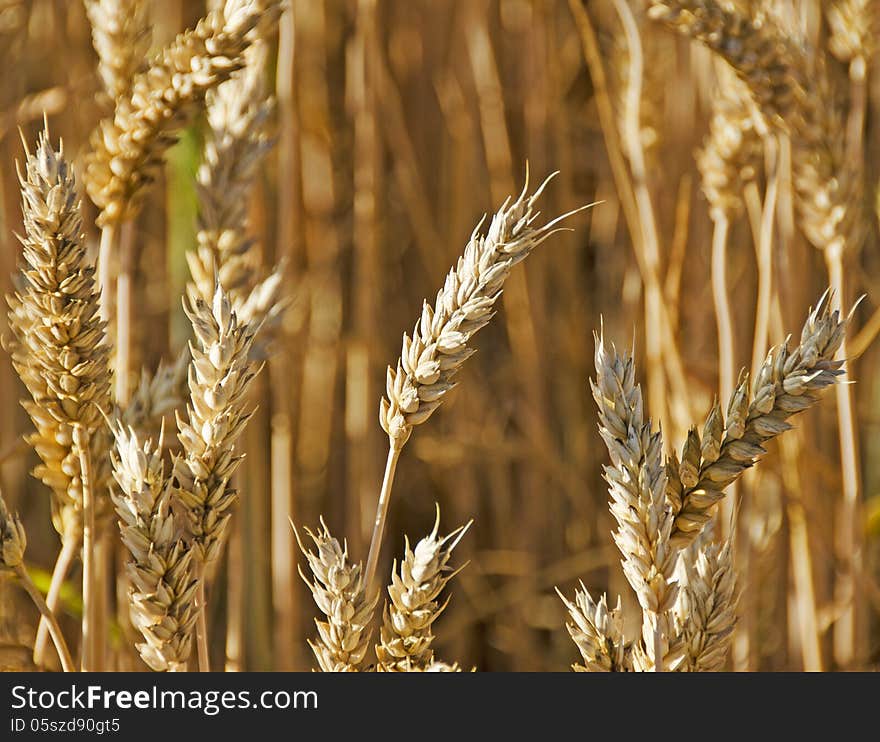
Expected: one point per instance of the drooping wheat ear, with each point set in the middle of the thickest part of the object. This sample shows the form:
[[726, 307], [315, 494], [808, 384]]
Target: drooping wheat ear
[[157, 394], [789, 382], [13, 542], [219, 377], [791, 89], [706, 608], [637, 485], [340, 593], [238, 115], [438, 347], [128, 148], [121, 37], [160, 572], [57, 342], [731, 154], [597, 632], [853, 25], [407, 633]]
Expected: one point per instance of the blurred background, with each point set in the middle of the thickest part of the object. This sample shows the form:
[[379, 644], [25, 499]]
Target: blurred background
[[399, 124]]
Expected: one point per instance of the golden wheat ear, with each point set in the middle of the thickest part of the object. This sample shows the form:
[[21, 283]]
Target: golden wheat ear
[[340, 592]]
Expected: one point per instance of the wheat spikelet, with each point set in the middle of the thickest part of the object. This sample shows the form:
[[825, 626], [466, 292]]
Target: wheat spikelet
[[340, 593], [128, 148], [406, 634], [789, 382], [597, 632], [160, 572], [731, 154], [637, 486], [121, 37], [57, 343], [438, 347], [706, 609], [219, 377]]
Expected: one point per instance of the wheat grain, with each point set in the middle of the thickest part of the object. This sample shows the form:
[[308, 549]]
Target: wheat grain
[[160, 572], [407, 634], [340, 593]]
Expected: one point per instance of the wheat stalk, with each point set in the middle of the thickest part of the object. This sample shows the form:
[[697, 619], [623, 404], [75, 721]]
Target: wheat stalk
[[439, 345], [121, 37], [407, 634], [13, 542], [788, 382], [340, 592], [160, 572]]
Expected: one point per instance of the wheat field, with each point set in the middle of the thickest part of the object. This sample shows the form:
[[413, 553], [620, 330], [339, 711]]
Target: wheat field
[[631, 248]]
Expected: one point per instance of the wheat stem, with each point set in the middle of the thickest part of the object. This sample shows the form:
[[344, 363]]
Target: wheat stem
[[381, 513], [89, 589], [848, 534], [202, 622], [48, 617], [765, 256], [69, 549], [107, 248]]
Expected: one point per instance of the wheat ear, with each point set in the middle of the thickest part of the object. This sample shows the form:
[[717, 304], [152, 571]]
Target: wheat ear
[[407, 628], [13, 542], [121, 37], [238, 115], [597, 632], [788, 382], [59, 351], [340, 592], [160, 571], [219, 378], [706, 609], [637, 486], [439, 345]]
